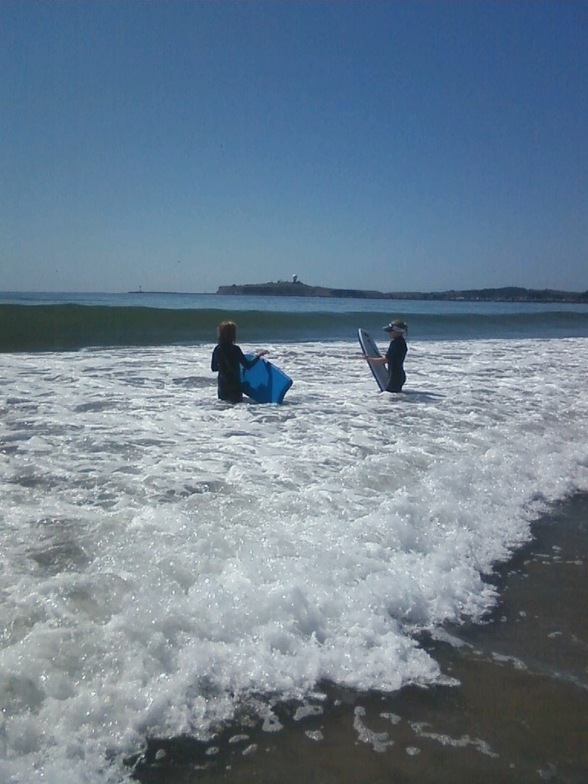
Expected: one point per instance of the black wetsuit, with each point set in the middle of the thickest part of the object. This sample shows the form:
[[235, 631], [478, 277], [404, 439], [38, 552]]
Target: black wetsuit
[[395, 358], [226, 359]]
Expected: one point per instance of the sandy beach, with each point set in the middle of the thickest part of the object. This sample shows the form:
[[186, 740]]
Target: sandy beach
[[519, 713]]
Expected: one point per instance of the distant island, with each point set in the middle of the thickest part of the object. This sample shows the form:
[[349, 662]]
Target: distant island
[[296, 288]]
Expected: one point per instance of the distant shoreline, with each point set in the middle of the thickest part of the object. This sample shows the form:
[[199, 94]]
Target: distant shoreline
[[505, 294]]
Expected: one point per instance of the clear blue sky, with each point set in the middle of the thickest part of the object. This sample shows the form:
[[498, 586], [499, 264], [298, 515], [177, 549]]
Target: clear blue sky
[[387, 145]]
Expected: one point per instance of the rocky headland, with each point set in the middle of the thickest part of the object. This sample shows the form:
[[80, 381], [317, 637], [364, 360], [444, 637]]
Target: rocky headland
[[296, 288]]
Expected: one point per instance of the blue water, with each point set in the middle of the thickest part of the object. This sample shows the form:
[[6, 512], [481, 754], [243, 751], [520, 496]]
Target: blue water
[[50, 321], [203, 301]]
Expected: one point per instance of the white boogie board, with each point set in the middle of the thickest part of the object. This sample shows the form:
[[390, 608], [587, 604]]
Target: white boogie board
[[369, 348]]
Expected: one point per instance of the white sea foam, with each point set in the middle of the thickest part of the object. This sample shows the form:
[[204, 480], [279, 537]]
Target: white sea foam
[[165, 555]]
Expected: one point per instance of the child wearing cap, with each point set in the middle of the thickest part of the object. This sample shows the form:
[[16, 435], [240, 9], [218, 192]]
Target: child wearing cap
[[394, 356]]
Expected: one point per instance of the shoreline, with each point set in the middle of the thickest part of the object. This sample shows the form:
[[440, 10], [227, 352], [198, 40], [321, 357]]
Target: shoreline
[[503, 294], [513, 295], [518, 715]]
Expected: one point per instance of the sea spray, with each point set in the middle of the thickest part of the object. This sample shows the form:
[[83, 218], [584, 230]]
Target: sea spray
[[168, 558]]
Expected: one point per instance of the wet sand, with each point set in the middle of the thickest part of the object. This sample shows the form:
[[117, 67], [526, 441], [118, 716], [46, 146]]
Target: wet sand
[[518, 715]]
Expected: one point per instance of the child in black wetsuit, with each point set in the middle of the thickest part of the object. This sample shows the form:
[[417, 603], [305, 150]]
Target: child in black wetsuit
[[394, 356], [227, 358]]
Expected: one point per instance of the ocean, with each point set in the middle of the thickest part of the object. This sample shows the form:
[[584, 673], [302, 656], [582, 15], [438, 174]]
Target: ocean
[[61, 322], [351, 587]]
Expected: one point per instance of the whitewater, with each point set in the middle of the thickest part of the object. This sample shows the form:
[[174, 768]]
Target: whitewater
[[169, 559]]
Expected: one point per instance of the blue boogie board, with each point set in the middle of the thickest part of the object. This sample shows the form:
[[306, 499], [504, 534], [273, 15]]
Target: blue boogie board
[[264, 382]]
